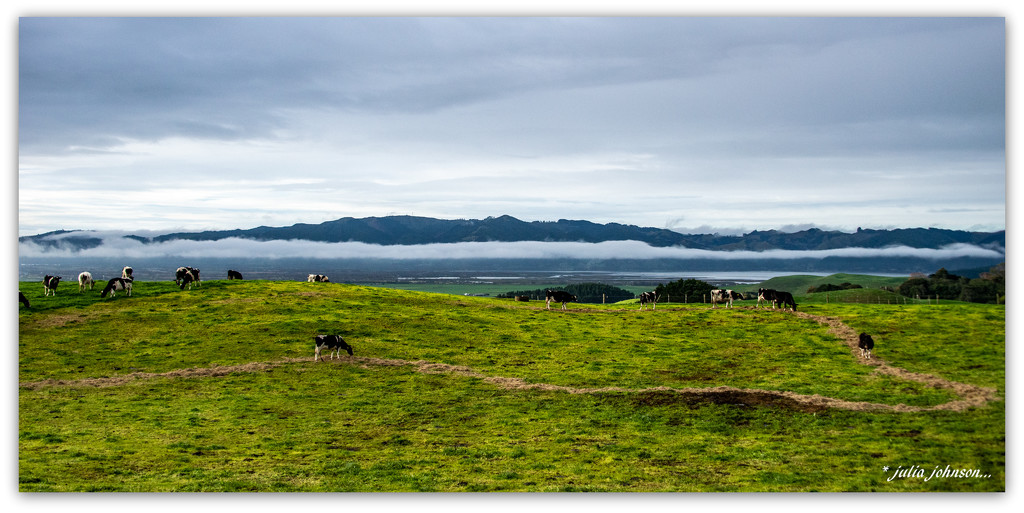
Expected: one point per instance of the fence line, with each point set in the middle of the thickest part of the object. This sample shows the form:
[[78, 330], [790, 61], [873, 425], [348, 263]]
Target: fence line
[[855, 299]]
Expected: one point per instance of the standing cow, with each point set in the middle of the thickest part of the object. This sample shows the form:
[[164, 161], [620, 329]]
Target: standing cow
[[115, 284], [50, 285], [866, 344], [766, 296], [558, 296], [186, 276], [785, 298], [724, 296], [333, 343], [85, 280], [234, 275], [649, 297]]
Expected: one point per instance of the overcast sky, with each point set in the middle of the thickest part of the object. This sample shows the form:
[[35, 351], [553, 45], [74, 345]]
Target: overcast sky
[[719, 124]]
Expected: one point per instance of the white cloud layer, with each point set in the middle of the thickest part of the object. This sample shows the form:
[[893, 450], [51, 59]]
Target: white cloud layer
[[119, 247]]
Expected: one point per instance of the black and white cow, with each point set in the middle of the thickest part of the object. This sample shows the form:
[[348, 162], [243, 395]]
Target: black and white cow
[[179, 275], [50, 285], [724, 296], [115, 284], [333, 343], [186, 276], [234, 275], [85, 280], [649, 297], [23, 299], [558, 296], [866, 344], [126, 273], [785, 298], [318, 278], [766, 296]]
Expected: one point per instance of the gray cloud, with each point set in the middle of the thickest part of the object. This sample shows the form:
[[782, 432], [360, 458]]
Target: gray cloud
[[840, 122]]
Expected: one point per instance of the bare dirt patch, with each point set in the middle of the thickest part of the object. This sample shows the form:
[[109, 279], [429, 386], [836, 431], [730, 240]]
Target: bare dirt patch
[[60, 320]]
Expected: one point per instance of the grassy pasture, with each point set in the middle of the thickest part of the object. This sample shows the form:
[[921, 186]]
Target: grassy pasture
[[295, 425]]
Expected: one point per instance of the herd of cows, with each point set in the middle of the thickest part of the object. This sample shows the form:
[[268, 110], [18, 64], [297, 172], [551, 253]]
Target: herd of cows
[[188, 276], [775, 297]]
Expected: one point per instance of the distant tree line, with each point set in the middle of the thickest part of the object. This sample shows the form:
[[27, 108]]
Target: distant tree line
[[990, 287], [684, 291], [584, 292]]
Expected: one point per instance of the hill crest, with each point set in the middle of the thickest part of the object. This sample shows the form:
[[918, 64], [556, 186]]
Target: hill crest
[[413, 230]]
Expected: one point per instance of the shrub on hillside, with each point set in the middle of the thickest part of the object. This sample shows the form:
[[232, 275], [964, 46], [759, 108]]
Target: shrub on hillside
[[829, 287], [684, 291], [585, 293], [990, 288]]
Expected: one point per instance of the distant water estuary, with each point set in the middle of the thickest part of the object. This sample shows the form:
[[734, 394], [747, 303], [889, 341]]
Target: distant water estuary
[[621, 271]]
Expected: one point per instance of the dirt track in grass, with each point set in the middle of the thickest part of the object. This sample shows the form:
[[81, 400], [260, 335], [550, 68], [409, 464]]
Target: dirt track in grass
[[969, 395]]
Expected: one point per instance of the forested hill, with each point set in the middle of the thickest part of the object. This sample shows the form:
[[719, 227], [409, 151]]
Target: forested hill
[[406, 230]]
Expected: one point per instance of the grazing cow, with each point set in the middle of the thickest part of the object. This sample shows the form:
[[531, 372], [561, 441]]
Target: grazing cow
[[558, 296], [23, 299], [85, 280], [115, 284], [522, 298], [333, 343], [187, 279], [179, 274], [724, 296], [766, 296], [234, 275], [649, 297], [50, 285], [186, 276], [126, 273], [317, 278], [866, 344], [785, 298]]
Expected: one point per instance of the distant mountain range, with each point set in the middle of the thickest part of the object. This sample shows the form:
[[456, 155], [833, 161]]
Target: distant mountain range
[[410, 230]]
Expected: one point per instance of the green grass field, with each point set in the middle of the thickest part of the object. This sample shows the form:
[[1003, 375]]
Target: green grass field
[[214, 389]]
